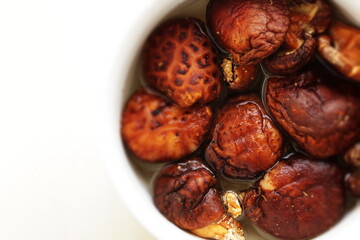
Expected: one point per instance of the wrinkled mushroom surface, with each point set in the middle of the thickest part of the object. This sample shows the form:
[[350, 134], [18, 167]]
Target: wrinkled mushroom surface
[[307, 18], [319, 111], [250, 30], [244, 141], [297, 199], [187, 194]]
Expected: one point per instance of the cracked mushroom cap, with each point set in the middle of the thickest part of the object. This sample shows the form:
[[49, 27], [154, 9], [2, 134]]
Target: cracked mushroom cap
[[244, 141], [319, 111], [180, 60], [156, 130], [250, 30], [297, 199]]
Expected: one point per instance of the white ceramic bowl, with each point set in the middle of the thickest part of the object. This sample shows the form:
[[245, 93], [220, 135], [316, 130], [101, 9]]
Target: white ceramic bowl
[[130, 181]]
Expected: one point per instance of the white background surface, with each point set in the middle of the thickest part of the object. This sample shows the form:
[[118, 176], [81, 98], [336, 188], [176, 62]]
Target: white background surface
[[53, 178]]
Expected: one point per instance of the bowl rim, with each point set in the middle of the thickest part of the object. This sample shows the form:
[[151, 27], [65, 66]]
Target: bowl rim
[[119, 168]]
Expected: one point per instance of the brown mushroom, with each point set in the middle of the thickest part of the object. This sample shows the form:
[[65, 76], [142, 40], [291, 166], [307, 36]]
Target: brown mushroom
[[187, 194], [156, 130], [297, 199], [307, 18], [286, 62], [244, 141], [180, 60], [250, 30], [341, 48], [317, 15], [321, 113]]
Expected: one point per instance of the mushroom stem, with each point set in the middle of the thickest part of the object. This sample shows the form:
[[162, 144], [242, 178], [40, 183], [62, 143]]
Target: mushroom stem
[[227, 228], [233, 203], [239, 77]]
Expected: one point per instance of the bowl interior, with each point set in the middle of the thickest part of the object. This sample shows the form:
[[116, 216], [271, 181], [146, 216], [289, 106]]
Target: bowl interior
[[133, 178]]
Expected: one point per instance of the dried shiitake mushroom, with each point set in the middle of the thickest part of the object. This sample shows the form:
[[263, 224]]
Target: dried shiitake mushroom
[[314, 16], [156, 130], [297, 199], [187, 194], [307, 18], [341, 48], [244, 141], [250, 30], [180, 60], [321, 19], [319, 111], [286, 62]]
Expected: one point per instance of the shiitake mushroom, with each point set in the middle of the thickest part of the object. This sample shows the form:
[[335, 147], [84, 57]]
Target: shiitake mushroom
[[297, 199], [308, 18], [250, 30], [180, 60], [188, 194], [316, 109], [156, 130], [244, 141], [341, 49]]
